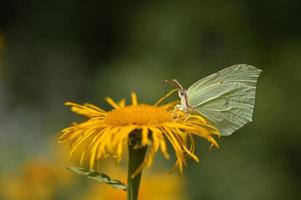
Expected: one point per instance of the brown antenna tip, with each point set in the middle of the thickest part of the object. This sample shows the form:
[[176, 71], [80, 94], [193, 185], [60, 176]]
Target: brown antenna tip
[[174, 83]]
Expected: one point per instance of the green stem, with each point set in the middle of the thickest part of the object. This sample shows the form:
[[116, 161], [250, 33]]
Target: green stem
[[136, 157]]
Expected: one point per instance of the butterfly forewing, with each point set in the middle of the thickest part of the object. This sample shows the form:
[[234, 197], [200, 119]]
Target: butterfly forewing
[[227, 97]]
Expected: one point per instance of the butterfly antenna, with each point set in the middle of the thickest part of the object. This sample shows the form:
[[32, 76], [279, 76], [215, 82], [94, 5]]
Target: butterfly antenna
[[174, 83], [165, 97]]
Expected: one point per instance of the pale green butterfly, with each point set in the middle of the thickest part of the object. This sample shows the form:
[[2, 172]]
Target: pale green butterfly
[[226, 98]]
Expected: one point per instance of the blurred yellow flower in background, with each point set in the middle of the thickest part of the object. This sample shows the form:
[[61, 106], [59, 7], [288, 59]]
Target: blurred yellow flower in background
[[37, 180], [106, 134], [157, 186]]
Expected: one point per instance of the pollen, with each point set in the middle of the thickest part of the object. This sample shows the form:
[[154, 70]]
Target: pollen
[[142, 114]]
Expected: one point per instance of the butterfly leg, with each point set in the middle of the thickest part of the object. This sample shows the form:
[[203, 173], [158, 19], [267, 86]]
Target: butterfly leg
[[177, 108], [177, 117], [186, 117]]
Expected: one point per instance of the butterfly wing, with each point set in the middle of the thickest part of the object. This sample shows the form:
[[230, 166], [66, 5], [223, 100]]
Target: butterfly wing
[[227, 97]]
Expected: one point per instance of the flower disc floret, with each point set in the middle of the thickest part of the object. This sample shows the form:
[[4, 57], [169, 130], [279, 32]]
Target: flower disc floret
[[142, 115]]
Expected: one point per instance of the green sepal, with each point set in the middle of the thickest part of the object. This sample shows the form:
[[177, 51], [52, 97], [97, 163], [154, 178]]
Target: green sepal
[[97, 176]]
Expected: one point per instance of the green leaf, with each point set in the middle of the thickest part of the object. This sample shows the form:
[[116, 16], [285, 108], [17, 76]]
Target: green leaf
[[100, 177]]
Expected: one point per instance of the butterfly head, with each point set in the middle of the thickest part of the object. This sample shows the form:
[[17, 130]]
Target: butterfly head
[[181, 91]]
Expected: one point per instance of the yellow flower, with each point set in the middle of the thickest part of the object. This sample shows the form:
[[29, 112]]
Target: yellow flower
[[108, 133]]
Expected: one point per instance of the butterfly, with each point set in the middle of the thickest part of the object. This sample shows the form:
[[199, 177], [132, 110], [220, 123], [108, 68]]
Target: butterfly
[[226, 98]]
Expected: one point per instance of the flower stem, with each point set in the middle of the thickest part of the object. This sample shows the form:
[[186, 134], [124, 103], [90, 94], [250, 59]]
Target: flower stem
[[136, 157]]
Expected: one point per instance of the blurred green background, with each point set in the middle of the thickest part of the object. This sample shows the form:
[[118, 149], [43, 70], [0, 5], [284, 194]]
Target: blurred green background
[[56, 51]]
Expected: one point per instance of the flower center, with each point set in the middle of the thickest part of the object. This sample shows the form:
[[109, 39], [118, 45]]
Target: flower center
[[138, 114]]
